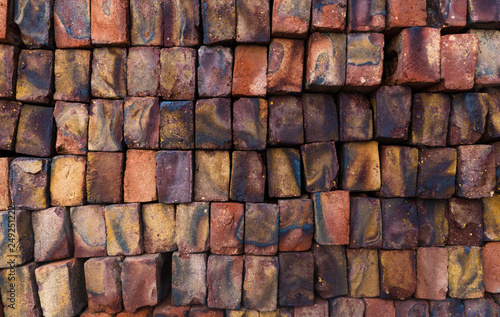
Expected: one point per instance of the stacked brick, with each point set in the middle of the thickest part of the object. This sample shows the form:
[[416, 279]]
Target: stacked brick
[[249, 158]]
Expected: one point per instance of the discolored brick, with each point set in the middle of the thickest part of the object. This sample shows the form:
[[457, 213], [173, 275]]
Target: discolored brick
[[487, 66], [72, 127], [331, 217], [176, 125], [139, 180], [320, 166], [29, 183], [9, 117], [227, 225], [165, 308], [103, 284], [465, 272], [283, 172], [465, 221], [412, 306], [365, 223], [242, 312], [481, 307], [399, 166], [483, 14], [280, 312], [35, 76], [174, 176], [366, 16], [447, 307], [123, 229], [143, 71], [496, 147], [491, 218], [205, 311], [178, 73], [250, 69], [330, 270], [328, 15], [360, 166], [35, 131], [261, 229], [291, 18], [431, 112], [20, 281], [8, 31], [432, 273], [399, 223], [21, 251], [219, 21], [319, 308], [8, 70], [363, 271], [72, 23], [211, 177], [253, 24], [355, 117], [408, 14], [450, 16], [215, 71], [296, 279], [158, 224], [181, 23], [295, 224], [224, 281], [260, 286], [365, 58], [392, 113], [67, 180], [492, 129], [436, 174], [491, 259], [213, 123], [109, 22], [103, 169], [432, 222], [379, 307], [192, 227], [5, 201], [189, 275], [476, 171], [53, 234], [141, 122], [35, 21], [397, 274], [89, 231], [72, 75], [109, 72], [468, 118], [248, 177], [250, 123], [342, 306], [286, 123], [321, 123], [146, 23], [285, 66]]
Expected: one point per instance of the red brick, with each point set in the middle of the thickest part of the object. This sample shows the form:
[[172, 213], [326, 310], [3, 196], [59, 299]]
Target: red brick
[[331, 217], [432, 273], [376, 307], [365, 61], [226, 228], [403, 14], [250, 68], [72, 23], [8, 30], [450, 15], [319, 309], [476, 171], [215, 71], [166, 308], [4, 183], [72, 127], [139, 180], [141, 312], [291, 18], [328, 15], [491, 266], [484, 14], [285, 69], [103, 284], [109, 22]]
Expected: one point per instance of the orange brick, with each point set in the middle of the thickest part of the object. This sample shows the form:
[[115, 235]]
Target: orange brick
[[139, 182], [250, 71]]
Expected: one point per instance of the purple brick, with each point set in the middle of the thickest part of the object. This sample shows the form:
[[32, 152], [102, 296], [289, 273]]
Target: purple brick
[[250, 123], [392, 113], [141, 124], [483, 14], [261, 229], [319, 309], [9, 117], [105, 125], [29, 183], [432, 222], [476, 171], [330, 270], [468, 118], [356, 117], [321, 123], [224, 281], [320, 166], [447, 307], [366, 16], [295, 224], [436, 173], [53, 234], [253, 24], [481, 307], [248, 177], [296, 279], [35, 131], [181, 23], [35, 21], [286, 125], [143, 71], [215, 71], [176, 125], [174, 176], [399, 223], [8, 70], [487, 66], [213, 123], [178, 73]]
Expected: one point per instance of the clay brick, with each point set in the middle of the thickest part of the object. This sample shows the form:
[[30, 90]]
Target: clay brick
[[356, 117], [326, 62], [260, 286], [366, 16], [141, 122], [363, 271], [496, 147], [250, 123], [342, 306], [492, 129], [432, 273], [189, 275], [178, 73], [379, 307], [103, 284], [330, 270], [468, 118], [408, 14], [9, 117], [291, 18], [321, 123], [365, 59], [72, 75], [141, 312], [67, 180], [242, 312], [286, 123], [176, 125], [215, 71], [65, 281], [491, 218], [224, 281], [204, 311], [328, 15], [397, 274], [22, 251], [35, 21], [35, 131], [296, 279], [285, 66], [320, 166], [89, 231], [109, 72], [362, 161], [465, 272], [483, 14], [413, 56], [283, 172], [158, 224], [72, 23], [211, 175], [451, 16], [399, 166], [181, 23], [8, 31], [146, 19], [319, 308], [8, 70], [213, 123], [29, 183], [476, 171], [487, 66], [331, 217], [174, 176], [399, 223], [250, 69], [109, 22], [295, 224], [87, 313], [481, 307], [5, 201], [365, 223], [392, 113], [20, 281], [143, 70], [261, 229], [105, 125], [165, 308], [436, 173], [412, 306], [53, 234], [139, 180], [123, 229], [144, 283], [219, 21], [252, 21], [432, 222], [447, 307], [103, 169], [192, 227], [35, 76], [465, 221], [248, 177], [227, 225], [491, 259], [280, 312], [72, 127]]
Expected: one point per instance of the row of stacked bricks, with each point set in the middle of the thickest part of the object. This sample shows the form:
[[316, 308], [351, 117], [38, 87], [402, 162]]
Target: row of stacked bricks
[[175, 168]]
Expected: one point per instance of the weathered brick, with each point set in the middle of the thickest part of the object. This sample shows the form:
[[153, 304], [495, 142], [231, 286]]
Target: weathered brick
[[432, 273], [87, 313], [224, 281], [145, 311], [286, 123], [408, 14], [176, 125], [399, 166], [144, 280], [123, 229], [64, 280], [330, 270], [363, 271], [253, 21], [192, 227], [412, 306], [215, 71], [8, 70], [280, 312], [260, 286], [432, 222], [53, 234], [491, 259], [227, 225], [342, 306], [397, 274], [447, 307], [261, 229], [89, 231], [476, 171], [141, 122], [355, 117], [242, 312], [331, 217], [283, 172], [392, 113], [450, 16], [326, 62], [72, 127], [492, 129], [181, 23], [250, 123], [72, 23], [481, 307], [468, 118], [436, 173], [9, 117], [291, 18], [35, 21], [219, 21], [165, 308], [205, 311], [146, 25], [178, 73], [496, 147], [360, 168], [483, 14], [321, 123], [158, 224], [296, 279], [379, 307], [285, 66], [22, 237], [143, 71], [328, 15], [488, 66], [491, 218], [72, 75], [366, 16], [174, 176], [139, 179], [35, 76], [5, 201], [320, 166], [67, 180], [109, 22], [8, 31], [211, 175], [365, 59], [465, 272], [399, 223], [295, 224], [189, 275], [319, 308], [29, 183], [213, 123], [19, 291], [103, 169], [465, 221], [103, 284], [35, 131], [365, 223], [248, 177], [109, 72], [250, 69]]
